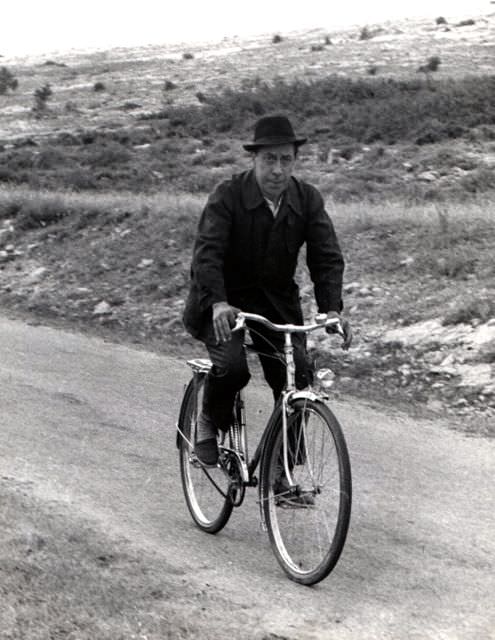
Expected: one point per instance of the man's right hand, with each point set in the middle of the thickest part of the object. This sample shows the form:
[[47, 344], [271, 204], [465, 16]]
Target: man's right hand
[[224, 316]]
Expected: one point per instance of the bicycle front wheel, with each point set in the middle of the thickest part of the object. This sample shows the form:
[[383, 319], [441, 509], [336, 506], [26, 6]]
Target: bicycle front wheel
[[308, 521], [206, 489]]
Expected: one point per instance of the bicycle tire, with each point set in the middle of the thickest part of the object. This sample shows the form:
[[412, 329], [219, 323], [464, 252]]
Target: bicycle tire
[[307, 539], [205, 489]]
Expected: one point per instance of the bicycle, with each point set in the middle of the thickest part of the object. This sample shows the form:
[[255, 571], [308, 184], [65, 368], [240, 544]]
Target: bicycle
[[305, 487]]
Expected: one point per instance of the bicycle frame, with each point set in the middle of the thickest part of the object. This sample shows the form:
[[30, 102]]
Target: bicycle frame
[[290, 393], [201, 366]]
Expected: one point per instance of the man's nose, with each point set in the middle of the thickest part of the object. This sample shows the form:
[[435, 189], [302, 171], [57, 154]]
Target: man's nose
[[277, 167]]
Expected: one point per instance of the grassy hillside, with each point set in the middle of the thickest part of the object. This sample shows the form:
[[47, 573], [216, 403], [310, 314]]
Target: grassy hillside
[[393, 110], [104, 172]]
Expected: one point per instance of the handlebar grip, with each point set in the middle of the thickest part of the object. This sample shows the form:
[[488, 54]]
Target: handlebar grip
[[240, 322]]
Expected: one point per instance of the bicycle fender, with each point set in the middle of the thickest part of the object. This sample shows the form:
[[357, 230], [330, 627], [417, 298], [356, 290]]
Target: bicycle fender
[[179, 424], [306, 394]]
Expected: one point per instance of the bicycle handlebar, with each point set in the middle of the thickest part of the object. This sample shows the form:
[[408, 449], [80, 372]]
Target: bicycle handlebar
[[321, 322]]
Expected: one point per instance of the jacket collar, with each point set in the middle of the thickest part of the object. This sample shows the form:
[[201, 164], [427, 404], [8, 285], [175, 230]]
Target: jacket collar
[[253, 198]]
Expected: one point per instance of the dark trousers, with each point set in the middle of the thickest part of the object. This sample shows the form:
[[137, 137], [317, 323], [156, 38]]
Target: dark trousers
[[230, 371]]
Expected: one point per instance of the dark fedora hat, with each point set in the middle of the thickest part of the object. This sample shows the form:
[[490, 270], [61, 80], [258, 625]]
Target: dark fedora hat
[[271, 130]]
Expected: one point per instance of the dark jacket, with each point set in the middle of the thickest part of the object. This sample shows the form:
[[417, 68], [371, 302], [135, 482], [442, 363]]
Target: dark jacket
[[244, 256]]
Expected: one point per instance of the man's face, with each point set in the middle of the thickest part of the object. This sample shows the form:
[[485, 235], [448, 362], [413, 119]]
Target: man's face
[[273, 168]]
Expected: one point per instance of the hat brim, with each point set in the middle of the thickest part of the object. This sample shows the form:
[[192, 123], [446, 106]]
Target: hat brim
[[273, 142]]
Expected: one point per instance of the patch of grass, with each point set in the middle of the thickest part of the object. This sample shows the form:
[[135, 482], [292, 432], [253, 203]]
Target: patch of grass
[[477, 306], [61, 577]]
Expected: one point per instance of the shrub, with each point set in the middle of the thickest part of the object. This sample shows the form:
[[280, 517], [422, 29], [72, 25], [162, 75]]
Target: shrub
[[78, 179], [7, 81], [433, 63], [71, 107], [317, 47], [441, 20], [99, 86], [168, 85], [372, 70], [365, 34], [476, 307], [187, 56], [41, 97], [110, 155], [52, 63], [466, 23], [50, 158], [277, 38], [34, 214], [328, 41], [130, 106], [7, 175]]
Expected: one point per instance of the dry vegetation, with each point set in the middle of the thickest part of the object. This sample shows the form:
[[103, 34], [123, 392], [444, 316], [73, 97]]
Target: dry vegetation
[[105, 160]]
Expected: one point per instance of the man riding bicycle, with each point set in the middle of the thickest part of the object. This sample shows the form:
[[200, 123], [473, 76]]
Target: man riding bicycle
[[245, 257]]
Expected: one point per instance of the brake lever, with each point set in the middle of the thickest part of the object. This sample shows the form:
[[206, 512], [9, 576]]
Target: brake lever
[[334, 324]]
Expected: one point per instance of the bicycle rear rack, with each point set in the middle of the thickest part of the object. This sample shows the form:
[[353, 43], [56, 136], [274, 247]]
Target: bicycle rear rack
[[200, 365]]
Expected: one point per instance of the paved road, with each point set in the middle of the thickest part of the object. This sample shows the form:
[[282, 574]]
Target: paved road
[[91, 424]]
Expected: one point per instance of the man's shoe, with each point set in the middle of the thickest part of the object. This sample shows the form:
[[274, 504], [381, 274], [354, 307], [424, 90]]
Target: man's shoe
[[207, 452], [288, 497]]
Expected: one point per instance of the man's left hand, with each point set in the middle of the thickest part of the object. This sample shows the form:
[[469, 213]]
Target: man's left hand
[[346, 328]]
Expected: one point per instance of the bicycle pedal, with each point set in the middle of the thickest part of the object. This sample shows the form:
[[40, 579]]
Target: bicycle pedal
[[295, 501]]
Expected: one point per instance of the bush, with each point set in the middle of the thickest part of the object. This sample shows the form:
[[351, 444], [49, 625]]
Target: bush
[[7, 175], [50, 158], [365, 34], [110, 155], [466, 23], [78, 180], [52, 63], [168, 85], [7, 81], [277, 38], [187, 56], [99, 86], [33, 214], [433, 63], [441, 20], [476, 307], [41, 97]]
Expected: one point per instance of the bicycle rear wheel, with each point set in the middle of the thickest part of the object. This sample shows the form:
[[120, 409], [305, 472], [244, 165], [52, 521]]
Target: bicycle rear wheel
[[307, 524], [205, 488]]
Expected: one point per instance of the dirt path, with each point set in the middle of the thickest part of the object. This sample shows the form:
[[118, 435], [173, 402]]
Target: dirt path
[[91, 425]]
